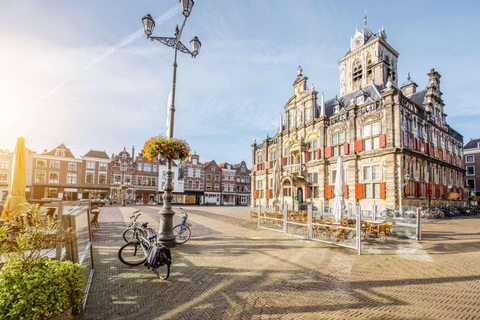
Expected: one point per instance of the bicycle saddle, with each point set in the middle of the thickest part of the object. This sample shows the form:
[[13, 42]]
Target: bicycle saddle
[[151, 234], [144, 224]]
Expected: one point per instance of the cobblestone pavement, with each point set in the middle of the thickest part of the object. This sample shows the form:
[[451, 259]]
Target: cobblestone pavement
[[230, 269]]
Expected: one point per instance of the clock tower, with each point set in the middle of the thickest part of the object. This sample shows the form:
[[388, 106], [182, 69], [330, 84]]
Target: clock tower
[[369, 59]]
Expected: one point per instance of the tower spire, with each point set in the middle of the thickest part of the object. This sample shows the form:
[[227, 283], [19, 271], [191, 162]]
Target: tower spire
[[365, 20]]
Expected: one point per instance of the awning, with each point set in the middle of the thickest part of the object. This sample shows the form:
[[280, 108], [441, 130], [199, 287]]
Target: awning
[[70, 189]]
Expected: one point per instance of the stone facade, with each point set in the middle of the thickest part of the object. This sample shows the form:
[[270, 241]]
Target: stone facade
[[397, 148], [472, 166], [243, 183], [193, 173]]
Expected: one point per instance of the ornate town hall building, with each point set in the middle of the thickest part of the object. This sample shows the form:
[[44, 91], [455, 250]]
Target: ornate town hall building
[[397, 147]]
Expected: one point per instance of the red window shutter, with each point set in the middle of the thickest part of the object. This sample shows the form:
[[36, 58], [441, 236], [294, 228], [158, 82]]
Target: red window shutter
[[445, 189], [345, 148], [328, 152], [383, 193], [283, 162], [267, 165], [269, 193], [358, 191], [254, 167], [426, 147], [345, 192], [435, 152], [444, 155], [318, 154], [358, 145], [255, 194], [328, 192], [414, 143], [306, 156], [306, 192], [417, 187], [383, 140], [407, 190]]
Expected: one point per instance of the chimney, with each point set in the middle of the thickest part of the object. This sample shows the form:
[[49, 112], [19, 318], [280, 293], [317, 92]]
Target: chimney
[[133, 153], [409, 89]]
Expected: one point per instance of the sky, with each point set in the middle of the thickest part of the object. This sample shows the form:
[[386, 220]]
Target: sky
[[83, 73]]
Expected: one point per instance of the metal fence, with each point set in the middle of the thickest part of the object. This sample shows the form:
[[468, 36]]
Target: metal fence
[[307, 227], [318, 226]]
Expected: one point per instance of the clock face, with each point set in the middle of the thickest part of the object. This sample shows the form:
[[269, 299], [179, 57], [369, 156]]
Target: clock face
[[357, 43]]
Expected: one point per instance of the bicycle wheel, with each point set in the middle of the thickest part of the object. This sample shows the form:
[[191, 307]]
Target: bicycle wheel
[[163, 272], [131, 254], [182, 233], [129, 234]]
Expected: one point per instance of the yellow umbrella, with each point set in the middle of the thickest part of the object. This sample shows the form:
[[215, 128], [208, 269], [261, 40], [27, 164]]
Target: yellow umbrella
[[17, 183]]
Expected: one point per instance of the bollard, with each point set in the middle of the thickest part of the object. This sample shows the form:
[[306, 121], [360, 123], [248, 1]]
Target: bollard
[[359, 230], [419, 225]]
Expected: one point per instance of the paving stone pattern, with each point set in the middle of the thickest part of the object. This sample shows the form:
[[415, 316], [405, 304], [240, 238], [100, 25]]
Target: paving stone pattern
[[230, 269]]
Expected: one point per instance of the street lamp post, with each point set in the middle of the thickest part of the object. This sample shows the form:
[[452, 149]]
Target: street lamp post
[[165, 234]]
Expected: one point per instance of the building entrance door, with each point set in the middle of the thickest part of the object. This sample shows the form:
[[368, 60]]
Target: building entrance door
[[300, 195]]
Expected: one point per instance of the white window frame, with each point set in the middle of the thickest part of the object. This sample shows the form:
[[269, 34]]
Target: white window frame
[[41, 161], [60, 152], [470, 155], [102, 174], [100, 166], [53, 172], [55, 164], [466, 171], [6, 177], [71, 175], [474, 183], [88, 165], [86, 176], [72, 165], [4, 164], [44, 176]]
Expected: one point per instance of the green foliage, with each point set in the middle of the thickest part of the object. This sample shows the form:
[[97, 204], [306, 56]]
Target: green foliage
[[39, 289], [31, 285]]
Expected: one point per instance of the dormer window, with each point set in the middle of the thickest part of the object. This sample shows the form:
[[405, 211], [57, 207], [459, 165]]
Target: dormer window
[[60, 152]]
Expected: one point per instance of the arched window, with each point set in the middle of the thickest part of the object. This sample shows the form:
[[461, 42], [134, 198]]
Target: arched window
[[357, 72], [369, 68]]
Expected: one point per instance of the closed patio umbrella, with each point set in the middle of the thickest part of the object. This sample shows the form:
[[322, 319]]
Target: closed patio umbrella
[[276, 182], [339, 206], [17, 183]]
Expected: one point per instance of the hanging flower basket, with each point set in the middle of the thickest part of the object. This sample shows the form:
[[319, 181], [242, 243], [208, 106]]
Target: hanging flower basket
[[166, 148], [123, 187], [453, 196]]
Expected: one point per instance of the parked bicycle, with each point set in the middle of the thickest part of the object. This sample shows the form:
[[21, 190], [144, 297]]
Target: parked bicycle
[[135, 227], [145, 250], [182, 230]]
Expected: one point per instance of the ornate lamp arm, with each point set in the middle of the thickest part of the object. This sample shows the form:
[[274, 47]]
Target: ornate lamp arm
[[170, 42]]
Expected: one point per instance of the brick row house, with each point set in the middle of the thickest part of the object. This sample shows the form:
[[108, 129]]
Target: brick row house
[[213, 183], [122, 173], [193, 172], [229, 183], [242, 177], [397, 147], [472, 166], [145, 180], [96, 175], [59, 174]]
